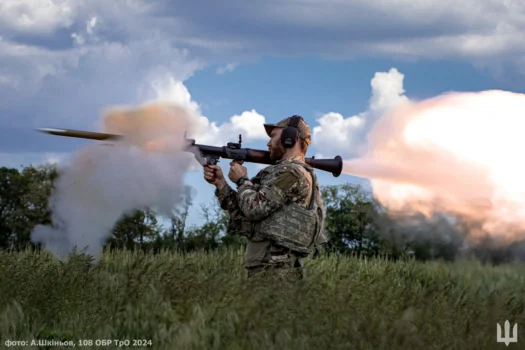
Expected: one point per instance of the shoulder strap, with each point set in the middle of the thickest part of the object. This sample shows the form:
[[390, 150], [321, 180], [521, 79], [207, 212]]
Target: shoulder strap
[[312, 200], [314, 182]]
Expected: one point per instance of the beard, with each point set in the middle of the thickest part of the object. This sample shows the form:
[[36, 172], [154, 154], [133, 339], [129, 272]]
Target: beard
[[277, 152]]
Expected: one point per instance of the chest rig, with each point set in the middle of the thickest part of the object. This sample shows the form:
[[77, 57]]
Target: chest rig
[[293, 226]]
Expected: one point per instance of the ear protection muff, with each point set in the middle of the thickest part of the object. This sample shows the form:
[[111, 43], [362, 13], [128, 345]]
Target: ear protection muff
[[290, 134]]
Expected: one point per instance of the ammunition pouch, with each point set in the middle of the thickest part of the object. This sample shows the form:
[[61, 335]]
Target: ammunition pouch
[[293, 226]]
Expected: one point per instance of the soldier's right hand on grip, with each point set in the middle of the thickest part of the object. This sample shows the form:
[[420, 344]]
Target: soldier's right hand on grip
[[213, 174]]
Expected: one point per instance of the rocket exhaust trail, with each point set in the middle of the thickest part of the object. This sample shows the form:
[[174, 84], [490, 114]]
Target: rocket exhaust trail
[[459, 154], [144, 170]]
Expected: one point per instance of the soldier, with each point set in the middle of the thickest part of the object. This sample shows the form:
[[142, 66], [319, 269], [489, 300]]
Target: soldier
[[280, 210]]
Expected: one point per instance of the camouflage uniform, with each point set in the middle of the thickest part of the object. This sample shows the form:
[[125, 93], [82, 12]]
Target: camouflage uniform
[[283, 184]]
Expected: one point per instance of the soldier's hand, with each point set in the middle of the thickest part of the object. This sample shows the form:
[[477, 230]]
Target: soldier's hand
[[213, 175], [237, 171]]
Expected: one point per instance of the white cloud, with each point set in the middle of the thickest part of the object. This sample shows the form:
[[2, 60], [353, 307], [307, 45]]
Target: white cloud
[[387, 91], [73, 86], [28, 65], [248, 123], [36, 17], [227, 68], [80, 39], [346, 136], [72, 60], [92, 36], [168, 89], [90, 26]]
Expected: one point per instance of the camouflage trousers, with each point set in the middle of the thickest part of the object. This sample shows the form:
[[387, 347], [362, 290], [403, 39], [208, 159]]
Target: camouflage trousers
[[287, 268]]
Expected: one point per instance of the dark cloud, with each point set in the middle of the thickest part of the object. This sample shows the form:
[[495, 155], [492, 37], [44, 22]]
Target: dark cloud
[[61, 40], [345, 29], [306, 21]]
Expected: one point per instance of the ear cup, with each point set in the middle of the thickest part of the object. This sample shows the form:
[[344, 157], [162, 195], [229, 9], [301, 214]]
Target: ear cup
[[290, 134], [289, 137]]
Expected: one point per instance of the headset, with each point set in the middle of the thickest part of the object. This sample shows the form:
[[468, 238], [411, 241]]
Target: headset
[[290, 134]]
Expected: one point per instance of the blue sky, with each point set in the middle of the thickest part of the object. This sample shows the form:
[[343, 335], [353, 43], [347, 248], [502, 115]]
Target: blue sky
[[61, 62]]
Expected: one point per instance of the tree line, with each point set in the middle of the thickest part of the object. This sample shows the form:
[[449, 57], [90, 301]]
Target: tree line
[[355, 223]]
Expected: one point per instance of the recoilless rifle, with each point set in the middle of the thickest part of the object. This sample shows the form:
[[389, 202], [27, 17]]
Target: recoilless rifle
[[210, 155]]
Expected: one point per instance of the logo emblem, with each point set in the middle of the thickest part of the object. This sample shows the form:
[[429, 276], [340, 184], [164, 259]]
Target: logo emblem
[[509, 337]]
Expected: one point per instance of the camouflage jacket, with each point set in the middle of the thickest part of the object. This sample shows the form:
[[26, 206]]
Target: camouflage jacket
[[271, 188]]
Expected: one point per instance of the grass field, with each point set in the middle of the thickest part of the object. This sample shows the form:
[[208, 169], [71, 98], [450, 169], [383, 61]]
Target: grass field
[[203, 301]]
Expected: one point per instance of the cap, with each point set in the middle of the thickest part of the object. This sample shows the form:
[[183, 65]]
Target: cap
[[304, 129]]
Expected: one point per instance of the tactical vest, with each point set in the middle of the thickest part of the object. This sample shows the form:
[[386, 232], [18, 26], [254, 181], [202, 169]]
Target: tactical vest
[[293, 226]]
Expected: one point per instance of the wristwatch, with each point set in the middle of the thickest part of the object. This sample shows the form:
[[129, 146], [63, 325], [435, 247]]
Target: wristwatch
[[242, 180]]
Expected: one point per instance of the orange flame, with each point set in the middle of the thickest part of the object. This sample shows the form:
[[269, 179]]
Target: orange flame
[[153, 128]]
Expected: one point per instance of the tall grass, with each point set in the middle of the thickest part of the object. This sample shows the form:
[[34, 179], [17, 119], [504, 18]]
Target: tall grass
[[203, 301]]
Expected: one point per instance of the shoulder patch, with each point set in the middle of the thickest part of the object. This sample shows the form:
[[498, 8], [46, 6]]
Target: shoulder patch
[[298, 170], [286, 180]]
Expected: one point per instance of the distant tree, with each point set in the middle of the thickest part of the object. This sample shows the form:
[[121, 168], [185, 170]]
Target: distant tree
[[418, 235], [349, 221], [13, 187], [24, 202], [178, 223], [208, 235], [134, 229], [393, 241]]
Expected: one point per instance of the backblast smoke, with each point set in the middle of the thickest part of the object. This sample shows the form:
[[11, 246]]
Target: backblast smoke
[[457, 157], [145, 169]]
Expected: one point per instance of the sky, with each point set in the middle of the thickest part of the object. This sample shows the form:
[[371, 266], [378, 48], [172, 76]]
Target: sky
[[238, 64]]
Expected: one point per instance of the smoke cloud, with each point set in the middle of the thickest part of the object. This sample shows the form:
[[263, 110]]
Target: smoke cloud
[[103, 182], [456, 157]]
